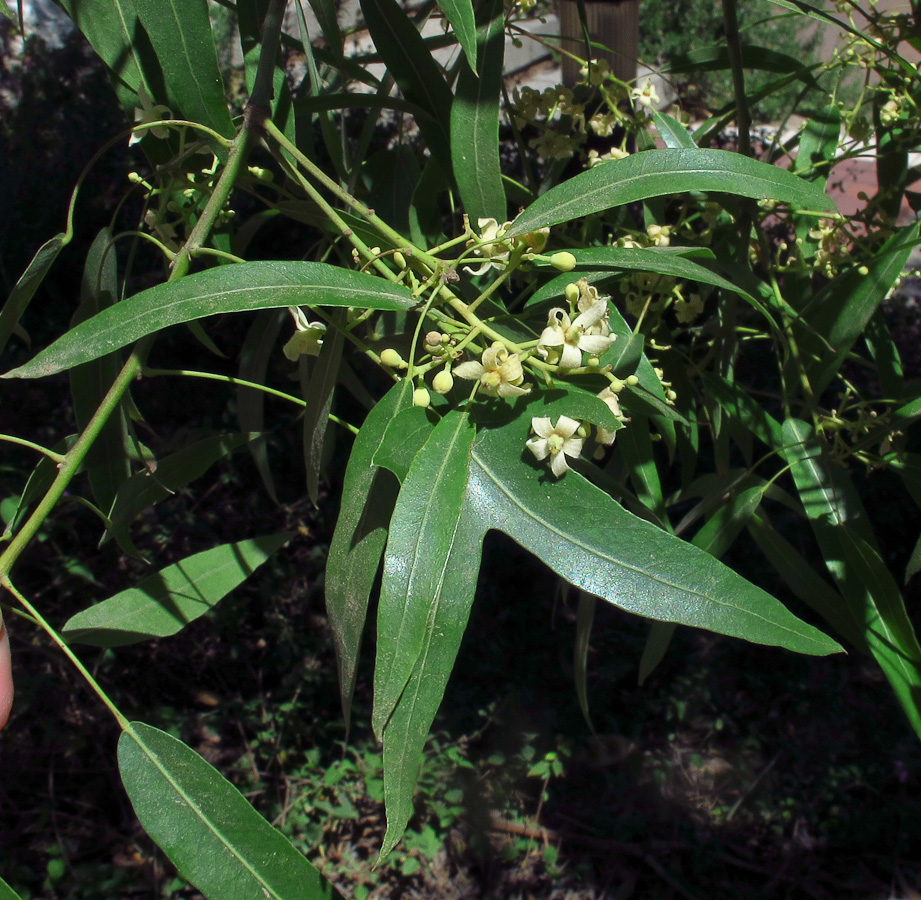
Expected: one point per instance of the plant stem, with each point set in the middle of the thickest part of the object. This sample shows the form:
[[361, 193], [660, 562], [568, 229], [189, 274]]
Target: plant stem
[[54, 457], [734, 48], [37, 616]]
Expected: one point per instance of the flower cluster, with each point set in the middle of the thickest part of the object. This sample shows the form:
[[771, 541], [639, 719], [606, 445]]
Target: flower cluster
[[493, 248], [583, 329]]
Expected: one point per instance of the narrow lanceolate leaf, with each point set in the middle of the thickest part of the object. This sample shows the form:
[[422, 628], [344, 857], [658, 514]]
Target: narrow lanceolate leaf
[[29, 282], [675, 135], [163, 604], [368, 495], [147, 488], [114, 31], [414, 69], [409, 723], [874, 602], [460, 14], [594, 543], [838, 315], [180, 31], [107, 461], [6, 892], [475, 125], [818, 144], [247, 286], [656, 173], [423, 534], [319, 397], [207, 828]]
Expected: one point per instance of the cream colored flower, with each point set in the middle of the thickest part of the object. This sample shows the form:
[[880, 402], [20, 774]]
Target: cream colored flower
[[572, 337], [148, 112], [307, 338], [646, 96], [612, 401], [499, 372], [490, 246], [555, 441], [686, 311]]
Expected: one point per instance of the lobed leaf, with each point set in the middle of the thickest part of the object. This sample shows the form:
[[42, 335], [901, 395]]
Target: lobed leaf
[[207, 828], [597, 545], [368, 496], [237, 288], [423, 532]]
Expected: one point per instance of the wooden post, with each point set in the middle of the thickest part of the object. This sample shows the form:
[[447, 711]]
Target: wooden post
[[613, 23]]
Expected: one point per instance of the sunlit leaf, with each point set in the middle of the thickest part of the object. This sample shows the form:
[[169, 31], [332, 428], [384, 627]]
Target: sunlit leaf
[[163, 604], [247, 286], [660, 172], [207, 828]]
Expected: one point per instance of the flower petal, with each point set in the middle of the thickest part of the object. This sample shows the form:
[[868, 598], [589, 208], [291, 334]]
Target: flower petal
[[566, 427], [558, 464], [539, 447], [469, 370]]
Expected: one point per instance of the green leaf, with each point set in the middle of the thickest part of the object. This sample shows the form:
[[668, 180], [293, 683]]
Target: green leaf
[[6, 892], [163, 604], [260, 345], [107, 462], [414, 69], [115, 33], [839, 313], [409, 723], [743, 408], [659, 172], [709, 59], [423, 532], [657, 643], [595, 544], [818, 144], [29, 282], [585, 617], [674, 134], [460, 14], [649, 260], [207, 828], [358, 541], [6, 11], [319, 397], [147, 488], [237, 288], [405, 436], [180, 33], [805, 583], [874, 603], [475, 122]]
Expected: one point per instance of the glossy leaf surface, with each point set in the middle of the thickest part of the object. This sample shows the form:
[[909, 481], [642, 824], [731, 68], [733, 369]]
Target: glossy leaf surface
[[247, 286], [207, 828], [659, 172]]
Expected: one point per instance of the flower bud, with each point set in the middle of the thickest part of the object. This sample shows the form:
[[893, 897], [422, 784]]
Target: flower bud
[[572, 293], [421, 397], [632, 380], [563, 261], [443, 381], [399, 259], [391, 358]]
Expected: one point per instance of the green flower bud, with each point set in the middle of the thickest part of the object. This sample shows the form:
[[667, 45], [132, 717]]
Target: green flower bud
[[563, 261], [391, 358], [632, 380], [421, 397], [399, 259], [443, 381], [572, 293]]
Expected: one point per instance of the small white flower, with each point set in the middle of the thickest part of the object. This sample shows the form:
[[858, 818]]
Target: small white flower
[[612, 401], [490, 245], [647, 96], [555, 441], [499, 372], [572, 337], [148, 112], [308, 336]]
